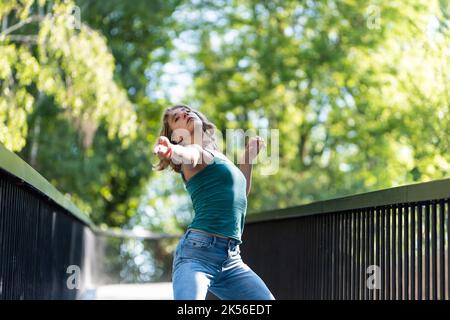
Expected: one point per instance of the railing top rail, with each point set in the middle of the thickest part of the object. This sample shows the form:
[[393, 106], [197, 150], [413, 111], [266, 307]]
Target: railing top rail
[[135, 234], [424, 191], [437, 189], [14, 165]]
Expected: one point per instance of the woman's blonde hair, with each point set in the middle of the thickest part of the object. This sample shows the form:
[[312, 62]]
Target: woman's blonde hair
[[208, 137]]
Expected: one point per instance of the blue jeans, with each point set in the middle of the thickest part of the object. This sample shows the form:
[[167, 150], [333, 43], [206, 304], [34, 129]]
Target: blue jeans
[[205, 262]]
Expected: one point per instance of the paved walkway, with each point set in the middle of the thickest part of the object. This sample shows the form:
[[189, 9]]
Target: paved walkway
[[150, 291]]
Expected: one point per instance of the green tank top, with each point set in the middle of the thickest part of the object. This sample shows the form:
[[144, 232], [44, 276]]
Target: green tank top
[[219, 198]]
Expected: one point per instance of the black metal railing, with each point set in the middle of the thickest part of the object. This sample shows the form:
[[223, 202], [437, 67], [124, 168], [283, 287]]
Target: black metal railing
[[39, 240], [389, 244], [51, 250], [386, 245]]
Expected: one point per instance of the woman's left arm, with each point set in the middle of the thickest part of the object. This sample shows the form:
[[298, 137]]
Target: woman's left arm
[[252, 149], [246, 169]]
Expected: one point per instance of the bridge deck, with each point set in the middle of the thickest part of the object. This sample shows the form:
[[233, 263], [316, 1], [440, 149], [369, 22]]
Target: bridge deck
[[150, 291]]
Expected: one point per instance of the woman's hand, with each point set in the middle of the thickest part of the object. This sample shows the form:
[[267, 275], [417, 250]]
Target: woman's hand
[[254, 146], [163, 148]]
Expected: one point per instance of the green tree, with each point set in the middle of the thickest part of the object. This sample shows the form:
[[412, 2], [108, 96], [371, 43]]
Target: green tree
[[55, 60], [74, 101], [357, 89]]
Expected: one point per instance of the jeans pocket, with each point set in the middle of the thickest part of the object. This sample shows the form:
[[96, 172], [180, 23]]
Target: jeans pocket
[[197, 243]]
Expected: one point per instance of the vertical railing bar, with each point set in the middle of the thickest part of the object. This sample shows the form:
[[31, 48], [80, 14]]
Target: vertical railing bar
[[2, 233], [27, 269], [349, 255], [388, 253], [434, 265], [323, 261], [6, 246], [406, 249], [326, 259], [358, 254], [383, 252], [363, 255], [354, 255], [448, 247], [413, 252], [331, 266], [13, 248], [372, 246], [400, 251], [26, 240], [336, 257], [367, 245], [332, 242], [441, 250], [312, 246], [320, 257], [344, 254], [368, 251], [3, 238], [341, 255], [7, 286], [345, 275], [329, 257], [378, 252], [394, 252], [19, 271], [427, 251], [373, 249], [335, 242], [308, 258], [313, 257], [317, 257], [420, 225], [300, 261]]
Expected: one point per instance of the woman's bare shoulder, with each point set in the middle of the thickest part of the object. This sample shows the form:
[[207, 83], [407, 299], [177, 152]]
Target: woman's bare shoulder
[[218, 154], [206, 157]]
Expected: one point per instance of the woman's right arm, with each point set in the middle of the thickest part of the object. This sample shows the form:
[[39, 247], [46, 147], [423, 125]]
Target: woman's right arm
[[190, 154]]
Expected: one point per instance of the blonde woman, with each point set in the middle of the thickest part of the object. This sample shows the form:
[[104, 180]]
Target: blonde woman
[[207, 257]]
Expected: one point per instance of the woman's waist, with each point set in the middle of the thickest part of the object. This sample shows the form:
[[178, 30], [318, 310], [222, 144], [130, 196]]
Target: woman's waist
[[211, 237], [209, 233]]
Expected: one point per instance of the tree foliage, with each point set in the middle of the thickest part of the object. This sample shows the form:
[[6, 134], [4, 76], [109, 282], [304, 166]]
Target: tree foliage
[[357, 89], [73, 67], [74, 101]]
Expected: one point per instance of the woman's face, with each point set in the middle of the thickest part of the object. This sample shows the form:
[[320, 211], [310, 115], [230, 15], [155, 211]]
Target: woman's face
[[183, 118]]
